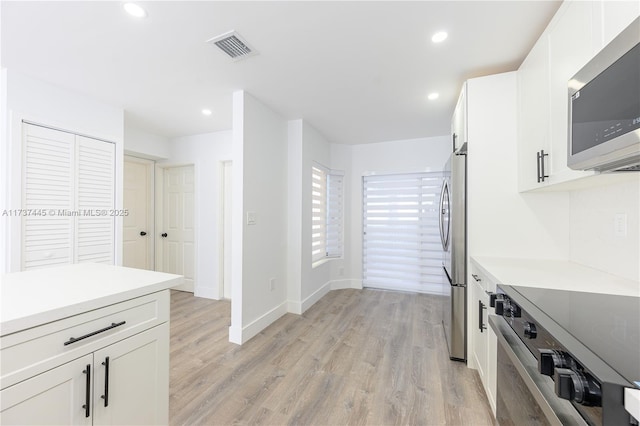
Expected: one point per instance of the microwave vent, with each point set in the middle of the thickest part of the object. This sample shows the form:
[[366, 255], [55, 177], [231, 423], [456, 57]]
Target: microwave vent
[[233, 45]]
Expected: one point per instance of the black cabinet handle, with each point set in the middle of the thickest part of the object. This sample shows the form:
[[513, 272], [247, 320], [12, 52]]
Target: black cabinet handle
[[163, 235], [106, 382], [454, 142], [102, 330], [142, 233], [476, 278], [481, 307], [540, 158], [87, 397]]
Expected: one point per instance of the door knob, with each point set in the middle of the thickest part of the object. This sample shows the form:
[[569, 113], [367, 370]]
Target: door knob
[[164, 235], [142, 233]]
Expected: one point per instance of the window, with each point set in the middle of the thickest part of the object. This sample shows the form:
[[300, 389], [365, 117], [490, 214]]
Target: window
[[401, 241], [326, 213]]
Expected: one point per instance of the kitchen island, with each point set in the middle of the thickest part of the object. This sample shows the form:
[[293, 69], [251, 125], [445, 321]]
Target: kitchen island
[[85, 344]]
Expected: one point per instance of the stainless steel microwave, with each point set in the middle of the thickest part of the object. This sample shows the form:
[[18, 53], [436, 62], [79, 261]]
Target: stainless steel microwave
[[604, 107]]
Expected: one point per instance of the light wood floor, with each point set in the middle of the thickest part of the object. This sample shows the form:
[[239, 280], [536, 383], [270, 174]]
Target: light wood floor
[[362, 357]]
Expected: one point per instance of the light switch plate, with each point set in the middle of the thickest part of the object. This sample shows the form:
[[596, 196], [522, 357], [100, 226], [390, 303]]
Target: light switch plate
[[620, 225], [251, 218]]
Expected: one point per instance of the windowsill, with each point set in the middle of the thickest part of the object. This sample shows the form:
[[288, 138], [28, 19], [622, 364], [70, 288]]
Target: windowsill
[[324, 260]]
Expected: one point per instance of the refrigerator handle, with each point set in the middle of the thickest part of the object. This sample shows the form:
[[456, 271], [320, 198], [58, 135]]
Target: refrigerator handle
[[443, 238]]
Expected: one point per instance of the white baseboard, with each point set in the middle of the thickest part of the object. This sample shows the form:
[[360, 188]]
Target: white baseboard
[[206, 292], [235, 335], [346, 283], [241, 335]]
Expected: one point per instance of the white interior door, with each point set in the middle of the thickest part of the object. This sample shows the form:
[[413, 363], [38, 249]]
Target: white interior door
[[177, 230], [226, 225], [138, 223]]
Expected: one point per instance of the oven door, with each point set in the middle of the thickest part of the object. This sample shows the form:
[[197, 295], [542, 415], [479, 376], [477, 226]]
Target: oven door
[[524, 396]]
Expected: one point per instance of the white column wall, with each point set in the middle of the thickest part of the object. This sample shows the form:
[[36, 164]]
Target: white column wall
[[260, 154]]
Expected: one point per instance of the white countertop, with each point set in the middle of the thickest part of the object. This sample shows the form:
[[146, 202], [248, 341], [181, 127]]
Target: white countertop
[[554, 274], [32, 298]]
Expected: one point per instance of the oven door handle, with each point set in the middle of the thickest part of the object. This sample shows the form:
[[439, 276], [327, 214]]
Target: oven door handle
[[557, 411]]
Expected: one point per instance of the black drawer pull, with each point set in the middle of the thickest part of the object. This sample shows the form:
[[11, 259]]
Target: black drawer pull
[[106, 382], [77, 339], [87, 395], [481, 307]]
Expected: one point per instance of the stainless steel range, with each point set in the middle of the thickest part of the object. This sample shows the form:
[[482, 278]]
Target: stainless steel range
[[565, 357]]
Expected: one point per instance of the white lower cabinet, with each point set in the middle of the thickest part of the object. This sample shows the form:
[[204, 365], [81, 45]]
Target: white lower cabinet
[[120, 375], [53, 397], [483, 339]]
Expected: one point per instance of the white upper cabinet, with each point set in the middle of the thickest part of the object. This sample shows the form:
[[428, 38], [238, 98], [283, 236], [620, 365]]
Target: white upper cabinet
[[578, 31], [572, 43], [533, 116], [567, 44], [459, 121], [615, 17]]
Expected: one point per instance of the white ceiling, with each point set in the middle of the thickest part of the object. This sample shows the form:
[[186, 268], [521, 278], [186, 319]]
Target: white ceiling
[[357, 71]]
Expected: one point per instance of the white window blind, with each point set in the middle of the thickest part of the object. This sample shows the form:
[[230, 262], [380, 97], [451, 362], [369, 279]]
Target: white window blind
[[327, 189], [318, 214], [401, 240], [335, 190]]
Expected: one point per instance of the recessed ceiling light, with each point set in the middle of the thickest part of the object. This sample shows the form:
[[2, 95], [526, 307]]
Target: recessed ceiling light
[[433, 96], [439, 37], [206, 112], [135, 10]]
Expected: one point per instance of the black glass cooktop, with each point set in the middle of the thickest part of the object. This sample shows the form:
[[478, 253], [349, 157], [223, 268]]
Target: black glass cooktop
[[608, 325]]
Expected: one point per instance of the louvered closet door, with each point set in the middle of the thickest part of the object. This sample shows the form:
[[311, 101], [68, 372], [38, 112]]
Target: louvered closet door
[[48, 189], [69, 194], [95, 183]]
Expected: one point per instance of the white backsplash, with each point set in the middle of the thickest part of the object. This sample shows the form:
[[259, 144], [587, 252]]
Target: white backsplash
[[594, 240]]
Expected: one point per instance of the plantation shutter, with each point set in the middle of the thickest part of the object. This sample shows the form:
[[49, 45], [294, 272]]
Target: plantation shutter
[[335, 189], [95, 197], [48, 187], [401, 241], [318, 213]]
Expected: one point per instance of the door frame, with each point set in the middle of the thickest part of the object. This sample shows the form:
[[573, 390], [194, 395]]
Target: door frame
[[222, 224], [151, 216], [159, 198]]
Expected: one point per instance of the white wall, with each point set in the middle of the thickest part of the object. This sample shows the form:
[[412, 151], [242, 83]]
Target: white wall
[[307, 284], [403, 156], [260, 155], [144, 144], [25, 98], [593, 238], [206, 152]]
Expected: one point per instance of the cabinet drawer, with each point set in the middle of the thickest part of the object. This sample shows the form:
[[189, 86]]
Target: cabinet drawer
[[479, 278], [33, 351]]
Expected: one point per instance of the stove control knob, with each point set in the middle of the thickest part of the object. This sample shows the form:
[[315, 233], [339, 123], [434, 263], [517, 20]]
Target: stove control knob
[[515, 311], [550, 360], [576, 386], [530, 331], [499, 307]]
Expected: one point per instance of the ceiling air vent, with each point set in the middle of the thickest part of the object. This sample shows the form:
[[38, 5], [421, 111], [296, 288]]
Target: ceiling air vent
[[233, 45]]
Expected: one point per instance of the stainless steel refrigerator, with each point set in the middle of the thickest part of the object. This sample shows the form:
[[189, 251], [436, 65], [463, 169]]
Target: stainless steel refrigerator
[[453, 233]]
